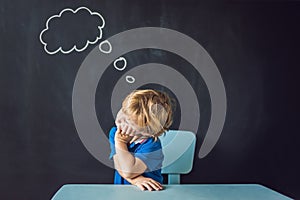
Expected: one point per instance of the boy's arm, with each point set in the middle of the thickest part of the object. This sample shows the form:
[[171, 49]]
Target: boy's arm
[[121, 172], [124, 161], [143, 182], [130, 175], [130, 180]]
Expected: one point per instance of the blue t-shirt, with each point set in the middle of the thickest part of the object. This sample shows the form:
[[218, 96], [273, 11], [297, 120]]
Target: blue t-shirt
[[149, 151]]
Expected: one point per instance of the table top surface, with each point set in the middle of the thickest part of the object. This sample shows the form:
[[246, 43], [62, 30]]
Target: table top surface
[[174, 192]]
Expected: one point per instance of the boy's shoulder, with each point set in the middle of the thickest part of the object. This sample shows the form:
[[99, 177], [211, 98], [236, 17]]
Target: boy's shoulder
[[113, 129], [112, 133]]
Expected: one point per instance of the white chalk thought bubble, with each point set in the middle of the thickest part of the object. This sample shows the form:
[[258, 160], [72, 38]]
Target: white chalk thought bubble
[[102, 47], [130, 79], [69, 14], [120, 60]]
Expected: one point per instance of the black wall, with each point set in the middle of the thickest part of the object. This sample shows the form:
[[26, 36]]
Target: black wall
[[255, 45]]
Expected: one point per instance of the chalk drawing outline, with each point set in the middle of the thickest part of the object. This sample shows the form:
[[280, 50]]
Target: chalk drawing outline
[[109, 45], [74, 47], [120, 59], [127, 79]]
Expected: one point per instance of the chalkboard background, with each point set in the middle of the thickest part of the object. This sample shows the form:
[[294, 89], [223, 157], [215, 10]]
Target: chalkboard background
[[255, 45]]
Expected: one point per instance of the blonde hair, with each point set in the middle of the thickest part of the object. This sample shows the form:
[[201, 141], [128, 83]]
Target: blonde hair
[[151, 109]]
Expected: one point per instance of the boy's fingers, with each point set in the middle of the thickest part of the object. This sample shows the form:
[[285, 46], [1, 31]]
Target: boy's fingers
[[147, 186], [124, 130], [132, 133], [157, 184], [134, 139], [160, 185], [153, 185], [129, 131], [140, 186]]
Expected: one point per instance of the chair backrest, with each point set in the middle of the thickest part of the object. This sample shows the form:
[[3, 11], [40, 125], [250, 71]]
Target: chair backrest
[[178, 148]]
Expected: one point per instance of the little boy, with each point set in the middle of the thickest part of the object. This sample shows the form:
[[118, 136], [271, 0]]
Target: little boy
[[135, 146]]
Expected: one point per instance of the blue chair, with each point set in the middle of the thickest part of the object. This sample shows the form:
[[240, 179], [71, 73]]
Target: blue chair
[[178, 148]]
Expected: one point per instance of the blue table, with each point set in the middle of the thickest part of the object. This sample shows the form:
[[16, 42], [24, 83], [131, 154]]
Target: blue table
[[173, 192]]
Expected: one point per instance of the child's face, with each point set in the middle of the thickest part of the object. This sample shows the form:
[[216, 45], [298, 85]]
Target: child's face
[[128, 125]]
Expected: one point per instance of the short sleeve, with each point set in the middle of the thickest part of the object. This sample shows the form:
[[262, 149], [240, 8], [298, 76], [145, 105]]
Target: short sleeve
[[112, 133], [151, 154]]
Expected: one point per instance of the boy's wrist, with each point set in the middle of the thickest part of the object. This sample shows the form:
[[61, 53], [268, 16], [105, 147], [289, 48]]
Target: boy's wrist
[[120, 143], [121, 147], [135, 180]]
